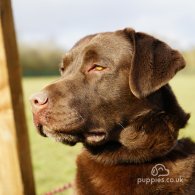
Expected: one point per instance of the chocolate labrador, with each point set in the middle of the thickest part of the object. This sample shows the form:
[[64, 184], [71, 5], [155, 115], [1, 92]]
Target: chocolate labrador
[[113, 96]]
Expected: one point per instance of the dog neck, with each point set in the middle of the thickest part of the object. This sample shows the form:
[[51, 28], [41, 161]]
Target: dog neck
[[140, 141]]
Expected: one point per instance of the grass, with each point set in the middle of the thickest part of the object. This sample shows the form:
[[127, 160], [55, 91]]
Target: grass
[[54, 163], [184, 88]]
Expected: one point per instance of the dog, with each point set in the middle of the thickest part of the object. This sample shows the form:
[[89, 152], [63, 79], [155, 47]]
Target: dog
[[113, 96]]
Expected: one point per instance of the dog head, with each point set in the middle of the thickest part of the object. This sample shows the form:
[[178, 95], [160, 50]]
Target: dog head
[[113, 96]]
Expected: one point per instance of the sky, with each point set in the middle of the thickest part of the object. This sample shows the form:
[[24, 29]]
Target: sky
[[66, 21]]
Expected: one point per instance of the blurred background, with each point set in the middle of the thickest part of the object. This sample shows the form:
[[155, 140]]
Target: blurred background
[[46, 29]]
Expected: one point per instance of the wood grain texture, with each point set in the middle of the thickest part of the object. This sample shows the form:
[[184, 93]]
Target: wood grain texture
[[16, 175]]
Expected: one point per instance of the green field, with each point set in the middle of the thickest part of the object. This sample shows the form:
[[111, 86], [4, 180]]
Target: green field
[[54, 163]]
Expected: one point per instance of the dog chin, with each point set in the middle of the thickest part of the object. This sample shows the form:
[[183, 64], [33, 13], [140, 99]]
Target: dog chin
[[90, 138], [72, 139], [65, 138]]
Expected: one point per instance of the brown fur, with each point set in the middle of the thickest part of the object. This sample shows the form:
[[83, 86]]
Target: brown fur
[[126, 115]]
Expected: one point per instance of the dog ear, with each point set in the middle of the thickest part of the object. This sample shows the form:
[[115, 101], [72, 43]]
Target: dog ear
[[154, 63]]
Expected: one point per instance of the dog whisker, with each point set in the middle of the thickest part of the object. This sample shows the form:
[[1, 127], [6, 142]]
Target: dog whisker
[[121, 125]]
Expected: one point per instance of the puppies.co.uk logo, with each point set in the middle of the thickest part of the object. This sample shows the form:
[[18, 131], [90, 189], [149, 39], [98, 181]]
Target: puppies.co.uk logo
[[160, 175], [159, 170]]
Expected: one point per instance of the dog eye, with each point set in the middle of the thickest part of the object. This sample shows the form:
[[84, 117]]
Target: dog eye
[[97, 67]]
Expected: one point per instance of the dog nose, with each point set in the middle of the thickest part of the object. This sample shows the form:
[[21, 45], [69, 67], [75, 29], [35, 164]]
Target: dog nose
[[39, 100]]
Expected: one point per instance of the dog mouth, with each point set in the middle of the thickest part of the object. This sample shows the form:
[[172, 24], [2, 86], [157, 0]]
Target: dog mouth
[[40, 130], [94, 137]]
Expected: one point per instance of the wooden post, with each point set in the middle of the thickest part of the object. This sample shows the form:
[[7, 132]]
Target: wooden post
[[16, 176]]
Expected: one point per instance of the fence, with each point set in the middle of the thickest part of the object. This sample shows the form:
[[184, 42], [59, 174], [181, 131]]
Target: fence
[[16, 175]]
